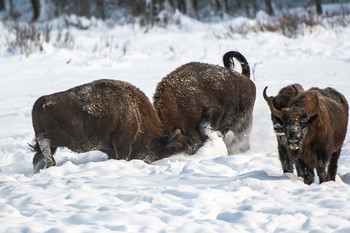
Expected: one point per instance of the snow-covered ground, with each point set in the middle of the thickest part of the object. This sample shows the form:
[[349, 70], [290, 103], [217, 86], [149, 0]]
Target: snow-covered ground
[[208, 192]]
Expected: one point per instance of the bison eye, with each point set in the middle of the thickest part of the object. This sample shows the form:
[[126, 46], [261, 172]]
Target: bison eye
[[278, 128], [304, 122]]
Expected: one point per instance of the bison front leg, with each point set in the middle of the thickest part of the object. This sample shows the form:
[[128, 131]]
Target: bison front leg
[[287, 165], [307, 173], [298, 168]]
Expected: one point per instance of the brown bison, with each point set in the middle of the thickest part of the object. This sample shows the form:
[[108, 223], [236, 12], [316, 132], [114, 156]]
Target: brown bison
[[106, 115], [315, 124], [281, 101], [198, 97]]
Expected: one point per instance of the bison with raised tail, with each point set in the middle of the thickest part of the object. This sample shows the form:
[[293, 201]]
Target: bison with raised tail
[[315, 124], [280, 101], [198, 97], [106, 115]]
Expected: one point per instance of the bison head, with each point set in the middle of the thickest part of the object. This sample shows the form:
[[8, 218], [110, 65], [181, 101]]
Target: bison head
[[178, 142], [294, 123], [168, 145]]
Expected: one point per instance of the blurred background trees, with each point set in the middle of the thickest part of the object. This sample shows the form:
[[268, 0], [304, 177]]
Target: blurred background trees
[[55, 18], [152, 11]]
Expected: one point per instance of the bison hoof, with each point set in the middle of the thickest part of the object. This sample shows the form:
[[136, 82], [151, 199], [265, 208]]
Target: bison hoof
[[244, 148], [308, 181]]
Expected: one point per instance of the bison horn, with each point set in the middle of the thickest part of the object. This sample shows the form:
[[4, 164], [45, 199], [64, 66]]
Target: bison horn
[[175, 134], [314, 111], [269, 100], [296, 91]]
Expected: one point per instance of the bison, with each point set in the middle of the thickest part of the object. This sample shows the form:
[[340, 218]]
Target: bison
[[281, 101], [315, 124], [111, 116], [198, 97]]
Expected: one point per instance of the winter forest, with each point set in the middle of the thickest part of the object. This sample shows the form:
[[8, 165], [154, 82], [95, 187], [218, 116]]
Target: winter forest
[[50, 46], [154, 11]]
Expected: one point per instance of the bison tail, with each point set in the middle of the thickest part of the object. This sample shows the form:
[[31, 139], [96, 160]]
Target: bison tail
[[34, 146], [229, 63]]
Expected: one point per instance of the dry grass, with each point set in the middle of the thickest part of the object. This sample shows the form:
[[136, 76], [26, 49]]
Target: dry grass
[[288, 24], [27, 38]]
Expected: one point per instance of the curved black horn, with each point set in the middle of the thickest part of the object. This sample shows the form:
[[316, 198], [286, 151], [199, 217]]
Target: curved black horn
[[269, 101], [229, 64], [296, 91]]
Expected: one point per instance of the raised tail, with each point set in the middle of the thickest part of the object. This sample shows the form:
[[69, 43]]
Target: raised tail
[[230, 64]]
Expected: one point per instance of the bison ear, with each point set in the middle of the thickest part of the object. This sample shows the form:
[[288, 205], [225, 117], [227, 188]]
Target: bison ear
[[312, 115], [177, 142], [175, 135]]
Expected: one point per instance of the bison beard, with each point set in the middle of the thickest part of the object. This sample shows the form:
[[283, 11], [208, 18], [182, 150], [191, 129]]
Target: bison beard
[[106, 115]]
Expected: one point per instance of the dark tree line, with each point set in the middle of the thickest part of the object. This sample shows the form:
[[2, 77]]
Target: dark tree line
[[152, 9]]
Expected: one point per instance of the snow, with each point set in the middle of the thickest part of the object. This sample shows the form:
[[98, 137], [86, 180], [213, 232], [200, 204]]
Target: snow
[[208, 192]]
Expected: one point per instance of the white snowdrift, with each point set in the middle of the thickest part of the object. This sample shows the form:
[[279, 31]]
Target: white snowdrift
[[208, 192]]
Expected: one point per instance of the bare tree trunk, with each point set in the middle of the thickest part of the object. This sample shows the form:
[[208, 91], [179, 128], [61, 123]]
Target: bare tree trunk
[[138, 7], [195, 6], [318, 7], [152, 9], [269, 7], [36, 9], [255, 8], [182, 6], [2, 5], [191, 6], [83, 8], [226, 6], [172, 4], [239, 4], [12, 10], [157, 7], [100, 9], [221, 6]]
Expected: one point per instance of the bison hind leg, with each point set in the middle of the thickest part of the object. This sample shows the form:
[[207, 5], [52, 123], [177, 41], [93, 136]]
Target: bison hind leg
[[241, 129], [43, 157], [237, 142], [333, 165], [327, 166]]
